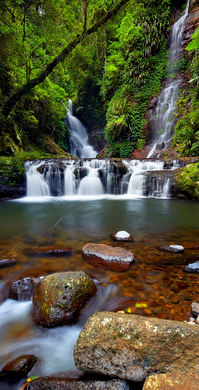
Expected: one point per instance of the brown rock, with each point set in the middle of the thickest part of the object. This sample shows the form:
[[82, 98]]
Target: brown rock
[[132, 347], [49, 383], [171, 248], [172, 381], [7, 262], [59, 298], [191, 247], [19, 367], [114, 258], [52, 250], [21, 289]]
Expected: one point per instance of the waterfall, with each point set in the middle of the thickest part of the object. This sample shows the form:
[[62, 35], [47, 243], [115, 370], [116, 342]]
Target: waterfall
[[79, 144], [79, 178], [163, 121], [36, 185]]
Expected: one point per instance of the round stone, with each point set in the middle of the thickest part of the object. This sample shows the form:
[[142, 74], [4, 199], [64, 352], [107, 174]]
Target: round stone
[[122, 235]]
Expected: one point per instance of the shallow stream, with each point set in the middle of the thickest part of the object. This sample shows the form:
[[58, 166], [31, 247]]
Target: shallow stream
[[154, 285]]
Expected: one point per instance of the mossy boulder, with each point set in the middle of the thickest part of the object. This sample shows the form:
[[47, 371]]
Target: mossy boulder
[[187, 181], [59, 298]]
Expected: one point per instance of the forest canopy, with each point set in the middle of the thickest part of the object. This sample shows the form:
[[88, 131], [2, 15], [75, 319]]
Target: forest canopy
[[109, 56]]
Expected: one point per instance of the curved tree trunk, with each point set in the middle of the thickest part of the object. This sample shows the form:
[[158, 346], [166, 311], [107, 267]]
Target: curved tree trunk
[[61, 57]]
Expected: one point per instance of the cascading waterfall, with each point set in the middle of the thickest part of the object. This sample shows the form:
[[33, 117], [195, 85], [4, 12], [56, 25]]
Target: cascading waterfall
[[79, 178], [79, 144], [163, 121], [36, 184]]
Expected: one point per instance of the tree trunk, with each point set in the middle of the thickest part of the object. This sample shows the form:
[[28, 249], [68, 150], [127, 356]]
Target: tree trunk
[[61, 57]]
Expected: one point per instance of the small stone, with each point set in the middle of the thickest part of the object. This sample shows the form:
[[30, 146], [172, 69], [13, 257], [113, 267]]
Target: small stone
[[122, 235], [195, 308], [171, 248], [157, 310], [52, 250], [175, 299], [7, 262], [194, 267], [191, 247], [19, 367], [197, 320]]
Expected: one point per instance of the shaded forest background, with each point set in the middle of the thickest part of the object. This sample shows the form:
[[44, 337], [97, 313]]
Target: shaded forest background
[[110, 74]]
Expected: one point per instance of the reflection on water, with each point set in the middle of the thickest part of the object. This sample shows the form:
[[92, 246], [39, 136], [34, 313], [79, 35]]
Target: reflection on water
[[155, 285]]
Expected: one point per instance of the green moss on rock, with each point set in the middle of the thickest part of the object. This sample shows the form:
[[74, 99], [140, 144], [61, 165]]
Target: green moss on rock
[[187, 181]]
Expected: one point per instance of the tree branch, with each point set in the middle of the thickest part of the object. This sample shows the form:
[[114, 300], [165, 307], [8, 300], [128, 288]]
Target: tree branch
[[59, 58]]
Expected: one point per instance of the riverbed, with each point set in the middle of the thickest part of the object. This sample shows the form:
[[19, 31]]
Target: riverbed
[[155, 284]]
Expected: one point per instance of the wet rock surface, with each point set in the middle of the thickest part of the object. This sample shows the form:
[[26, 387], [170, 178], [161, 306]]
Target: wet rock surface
[[65, 384], [171, 248], [195, 308], [19, 367], [122, 236], [21, 289], [7, 262], [135, 347], [115, 258], [7, 192], [192, 268], [59, 298], [172, 381], [52, 250]]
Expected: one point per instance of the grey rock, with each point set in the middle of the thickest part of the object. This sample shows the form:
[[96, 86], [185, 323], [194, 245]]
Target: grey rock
[[195, 308]]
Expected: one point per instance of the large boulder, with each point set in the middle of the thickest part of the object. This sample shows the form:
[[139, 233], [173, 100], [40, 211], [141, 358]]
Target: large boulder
[[114, 258], [59, 298], [132, 347], [65, 384], [172, 381]]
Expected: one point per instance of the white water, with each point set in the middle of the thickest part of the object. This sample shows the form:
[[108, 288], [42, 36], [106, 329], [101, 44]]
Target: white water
[[96, 178], [55, 343], [36, 185], [166, 105], [79, 143]]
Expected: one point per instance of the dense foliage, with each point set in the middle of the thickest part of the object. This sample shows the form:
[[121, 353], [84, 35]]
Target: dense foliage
[[186, 134], [111, 70]]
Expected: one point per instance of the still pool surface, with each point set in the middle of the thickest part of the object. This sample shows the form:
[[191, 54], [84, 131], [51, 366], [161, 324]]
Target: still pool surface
[[154, 285]]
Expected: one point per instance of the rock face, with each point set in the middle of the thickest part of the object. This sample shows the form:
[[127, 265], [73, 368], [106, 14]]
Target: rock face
[[132, 347], [114, 258], [59, 298], [21, 289], [172, 382], [19, 367], [65, 384]]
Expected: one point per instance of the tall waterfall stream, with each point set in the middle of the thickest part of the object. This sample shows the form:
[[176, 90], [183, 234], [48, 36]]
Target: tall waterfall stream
[[163, 120]]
